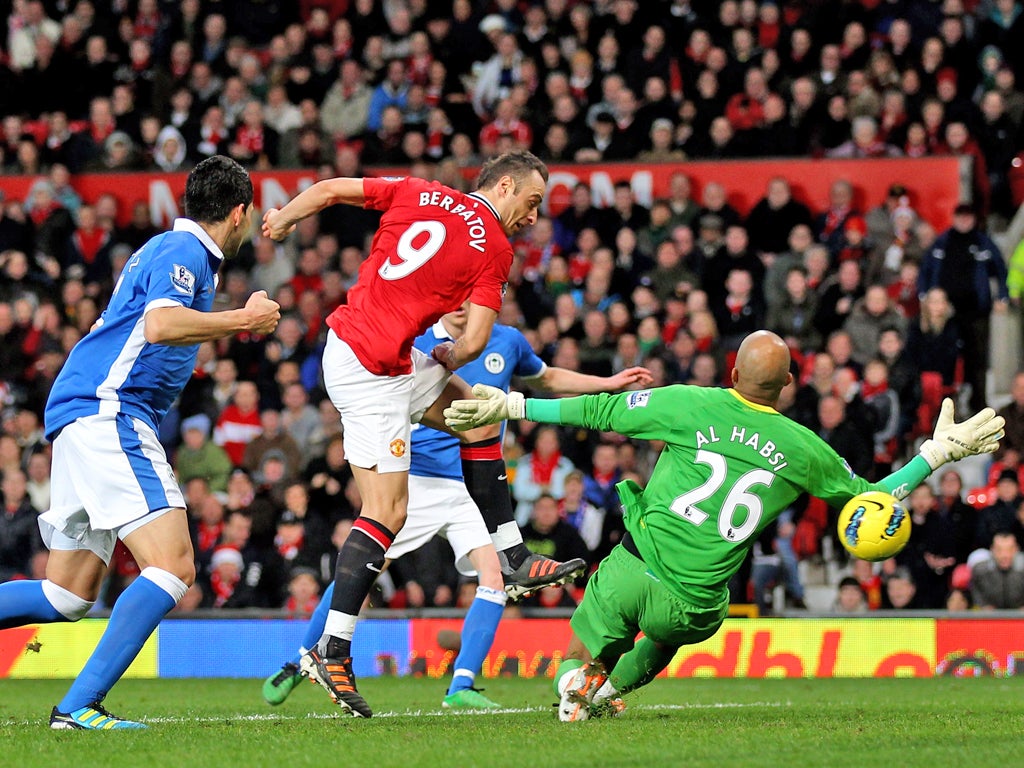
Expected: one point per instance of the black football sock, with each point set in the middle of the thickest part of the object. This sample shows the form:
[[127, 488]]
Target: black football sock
[[360, 562], [487, 482]]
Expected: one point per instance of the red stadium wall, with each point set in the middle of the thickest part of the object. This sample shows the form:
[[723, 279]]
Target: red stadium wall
[[932, 184]]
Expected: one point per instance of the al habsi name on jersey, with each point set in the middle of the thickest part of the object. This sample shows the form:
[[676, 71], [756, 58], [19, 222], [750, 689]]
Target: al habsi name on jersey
[[776, 460]]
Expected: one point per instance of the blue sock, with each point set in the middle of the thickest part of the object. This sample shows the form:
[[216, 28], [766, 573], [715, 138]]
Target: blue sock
[[23, 602], [315, 628], [136, 614], [477, 636]]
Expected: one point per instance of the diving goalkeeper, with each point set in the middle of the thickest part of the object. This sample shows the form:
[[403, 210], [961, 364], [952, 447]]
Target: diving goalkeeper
[[731, 464]]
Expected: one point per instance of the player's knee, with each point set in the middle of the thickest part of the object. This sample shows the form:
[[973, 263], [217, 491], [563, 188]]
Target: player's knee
[[174, 584], [187, 573], [69, 605], [394, 518]]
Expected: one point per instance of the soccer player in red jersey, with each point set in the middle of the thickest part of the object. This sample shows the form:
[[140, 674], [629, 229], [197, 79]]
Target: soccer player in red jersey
[[434, 249]]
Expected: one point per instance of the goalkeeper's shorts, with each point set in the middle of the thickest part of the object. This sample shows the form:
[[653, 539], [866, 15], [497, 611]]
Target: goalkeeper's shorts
[[623, 598]]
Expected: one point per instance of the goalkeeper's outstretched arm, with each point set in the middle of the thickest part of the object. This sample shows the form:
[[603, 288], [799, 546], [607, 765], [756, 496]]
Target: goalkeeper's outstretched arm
[[950, 442]]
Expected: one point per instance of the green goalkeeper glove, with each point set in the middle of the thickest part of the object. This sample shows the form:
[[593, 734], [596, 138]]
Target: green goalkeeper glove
[[490, 406], [951, 441]]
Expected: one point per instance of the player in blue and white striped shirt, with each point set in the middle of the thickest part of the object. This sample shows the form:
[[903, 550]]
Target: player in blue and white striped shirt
[[439, 503], [110, 477]]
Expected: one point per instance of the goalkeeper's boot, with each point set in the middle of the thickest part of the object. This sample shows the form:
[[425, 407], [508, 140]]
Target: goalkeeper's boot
[[578, 693], [468, 698], [91, 718], [537, 571], [337, 678], [279, 685], [609, 707]]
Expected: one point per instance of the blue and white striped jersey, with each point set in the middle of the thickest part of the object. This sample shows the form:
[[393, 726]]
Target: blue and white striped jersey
[[113, 369], [507, 354]]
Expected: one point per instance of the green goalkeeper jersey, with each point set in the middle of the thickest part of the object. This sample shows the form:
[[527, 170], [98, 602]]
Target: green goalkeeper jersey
[[728, 469]]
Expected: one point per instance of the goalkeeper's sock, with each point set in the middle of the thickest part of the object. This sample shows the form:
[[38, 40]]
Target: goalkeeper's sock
[[640, 665], [315, 627], [564, 674], [486, 478], [360, 562], [478, 632]]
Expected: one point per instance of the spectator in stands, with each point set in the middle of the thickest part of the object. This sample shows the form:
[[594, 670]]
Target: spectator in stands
[[955, 516], [837, 297], [900, 591], [849, 441], [792, 317], [272, 438], [298, 417], [964, 262], [662, 144], [239, 422], [869, 316], [864, 142], [934, 342], [998, 582], [1001, 514], [198, 457], [829, 226], [850, 597], [254, 143], [541, 471], [498, 75], [38, 485], [545, 531], [345, 110], [740, 311], [771, 221], [19, 533], [930, 555]]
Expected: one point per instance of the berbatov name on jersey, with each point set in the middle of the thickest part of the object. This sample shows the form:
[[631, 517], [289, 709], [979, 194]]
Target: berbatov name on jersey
[[477, 232]]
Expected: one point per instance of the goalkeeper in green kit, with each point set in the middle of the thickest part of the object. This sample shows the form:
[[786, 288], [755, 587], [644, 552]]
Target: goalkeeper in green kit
[[731, 464]]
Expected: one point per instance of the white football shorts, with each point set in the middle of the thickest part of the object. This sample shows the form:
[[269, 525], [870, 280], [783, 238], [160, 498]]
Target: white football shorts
[[439, 505], [109, 477], [377, 411]]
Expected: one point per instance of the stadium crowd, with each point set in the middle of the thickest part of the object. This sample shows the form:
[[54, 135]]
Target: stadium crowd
[[878, 328]]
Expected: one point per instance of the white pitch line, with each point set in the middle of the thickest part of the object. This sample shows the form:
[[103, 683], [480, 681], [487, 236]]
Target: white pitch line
[[427, 713]]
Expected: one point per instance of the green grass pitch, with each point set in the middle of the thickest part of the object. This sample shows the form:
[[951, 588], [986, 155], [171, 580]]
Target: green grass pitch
[[901, 723]]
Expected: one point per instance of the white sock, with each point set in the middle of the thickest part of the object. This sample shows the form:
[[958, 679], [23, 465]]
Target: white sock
[[340, 624], [66, 603], [167, 581]]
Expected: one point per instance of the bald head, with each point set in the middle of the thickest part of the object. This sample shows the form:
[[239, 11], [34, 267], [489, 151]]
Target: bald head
[[762, 367]]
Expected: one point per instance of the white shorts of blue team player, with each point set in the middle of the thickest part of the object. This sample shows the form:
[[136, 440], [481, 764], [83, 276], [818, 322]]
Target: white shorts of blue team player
[[439, 505], [109, 477], [377, 411]]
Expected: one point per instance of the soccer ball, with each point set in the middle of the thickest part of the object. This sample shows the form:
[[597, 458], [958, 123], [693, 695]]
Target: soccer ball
[[874, 526]]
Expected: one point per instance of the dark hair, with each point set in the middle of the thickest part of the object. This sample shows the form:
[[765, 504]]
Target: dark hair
[[518, 165], [215, 188]]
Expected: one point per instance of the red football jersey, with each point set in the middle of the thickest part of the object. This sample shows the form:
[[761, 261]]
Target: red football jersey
[[434, 249]]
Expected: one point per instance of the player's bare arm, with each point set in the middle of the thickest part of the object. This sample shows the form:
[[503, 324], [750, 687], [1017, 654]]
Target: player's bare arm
[[279, 223], [564, 381], [181, 326], [479, 322]]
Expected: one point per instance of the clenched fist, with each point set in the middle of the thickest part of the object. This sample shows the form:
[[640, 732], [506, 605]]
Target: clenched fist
[[263, 312], [275, 226]]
